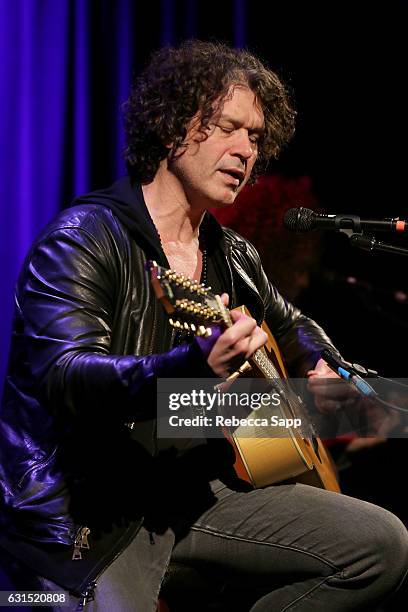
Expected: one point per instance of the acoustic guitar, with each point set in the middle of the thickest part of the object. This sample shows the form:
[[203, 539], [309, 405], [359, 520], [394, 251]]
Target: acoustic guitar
[[261, 459]]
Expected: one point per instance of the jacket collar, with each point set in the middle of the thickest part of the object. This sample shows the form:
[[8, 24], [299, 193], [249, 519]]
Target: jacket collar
[[126, 201]]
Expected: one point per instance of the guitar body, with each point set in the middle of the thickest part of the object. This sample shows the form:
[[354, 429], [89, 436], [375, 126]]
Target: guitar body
[[265, 461], [260, 460]]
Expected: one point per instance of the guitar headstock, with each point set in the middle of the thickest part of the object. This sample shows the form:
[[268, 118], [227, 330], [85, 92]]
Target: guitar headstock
[[190, 305]]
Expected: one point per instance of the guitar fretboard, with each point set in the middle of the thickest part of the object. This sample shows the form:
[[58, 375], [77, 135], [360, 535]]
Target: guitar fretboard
[[265, 365]]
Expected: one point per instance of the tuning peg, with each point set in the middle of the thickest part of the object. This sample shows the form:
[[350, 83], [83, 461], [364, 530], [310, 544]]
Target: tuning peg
[[175, 323], [204, 331]]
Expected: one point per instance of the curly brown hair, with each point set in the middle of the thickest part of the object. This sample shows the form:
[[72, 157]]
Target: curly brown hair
[[196, 78]]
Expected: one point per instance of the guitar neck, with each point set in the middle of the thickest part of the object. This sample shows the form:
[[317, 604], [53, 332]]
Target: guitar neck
[[193, 306], [264, 364]]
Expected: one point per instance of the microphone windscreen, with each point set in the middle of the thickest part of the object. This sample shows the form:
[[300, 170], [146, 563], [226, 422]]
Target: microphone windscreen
[[299, 219]]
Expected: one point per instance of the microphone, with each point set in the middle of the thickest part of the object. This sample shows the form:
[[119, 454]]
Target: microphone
[[304, 220]]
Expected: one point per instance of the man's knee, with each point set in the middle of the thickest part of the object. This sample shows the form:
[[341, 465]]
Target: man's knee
[[391, 539], [381, 549]]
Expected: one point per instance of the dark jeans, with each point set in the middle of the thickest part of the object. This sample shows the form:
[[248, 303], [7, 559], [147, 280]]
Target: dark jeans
[[287, 547]]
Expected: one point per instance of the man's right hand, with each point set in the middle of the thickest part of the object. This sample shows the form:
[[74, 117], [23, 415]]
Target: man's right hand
[[236, 344]]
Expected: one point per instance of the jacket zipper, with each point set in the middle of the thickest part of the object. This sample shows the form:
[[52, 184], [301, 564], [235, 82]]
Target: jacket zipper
[[88, 594], [81, 541]]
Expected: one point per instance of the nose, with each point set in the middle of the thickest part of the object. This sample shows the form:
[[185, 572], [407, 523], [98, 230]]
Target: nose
[[242, 147]]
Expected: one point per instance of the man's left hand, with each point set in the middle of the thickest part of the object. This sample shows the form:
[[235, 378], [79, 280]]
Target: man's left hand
[[330, 392]]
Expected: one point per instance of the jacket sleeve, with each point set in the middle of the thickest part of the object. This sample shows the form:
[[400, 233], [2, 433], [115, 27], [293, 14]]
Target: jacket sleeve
[[301, 339], [66, 298]]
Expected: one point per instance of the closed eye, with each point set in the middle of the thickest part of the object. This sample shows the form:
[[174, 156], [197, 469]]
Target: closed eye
[[253, 137], [225, 129]]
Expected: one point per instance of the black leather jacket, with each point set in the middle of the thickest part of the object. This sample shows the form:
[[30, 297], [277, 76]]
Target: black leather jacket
[[89, 340]]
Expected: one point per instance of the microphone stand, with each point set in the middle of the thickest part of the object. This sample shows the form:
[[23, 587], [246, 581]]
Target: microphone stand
[[371, 244]]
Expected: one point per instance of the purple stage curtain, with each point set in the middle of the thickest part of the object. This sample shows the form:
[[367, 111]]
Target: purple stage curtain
[[65, 71]]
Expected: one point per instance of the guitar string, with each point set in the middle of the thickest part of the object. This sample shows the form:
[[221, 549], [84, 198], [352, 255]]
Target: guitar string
[[269, 370]]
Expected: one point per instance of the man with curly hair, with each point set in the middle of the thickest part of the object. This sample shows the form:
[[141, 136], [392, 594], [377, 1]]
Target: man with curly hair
[[98, 508]]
